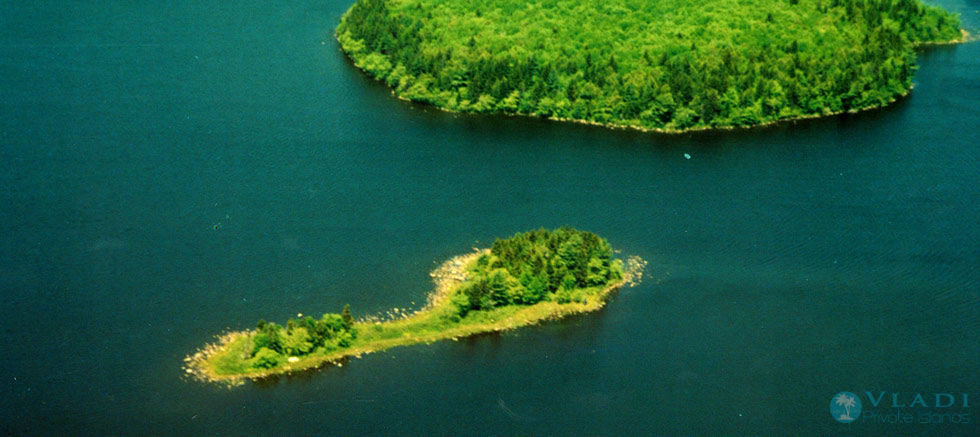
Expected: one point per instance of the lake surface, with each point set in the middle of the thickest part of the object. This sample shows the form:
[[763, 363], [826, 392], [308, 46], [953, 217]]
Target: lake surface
[[171, 170]]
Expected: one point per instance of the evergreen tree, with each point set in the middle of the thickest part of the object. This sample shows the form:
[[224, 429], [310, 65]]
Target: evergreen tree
[[347, 317]]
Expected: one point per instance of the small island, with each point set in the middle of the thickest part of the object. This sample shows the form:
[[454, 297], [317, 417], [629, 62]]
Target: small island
[[670, 66], [522, 280]]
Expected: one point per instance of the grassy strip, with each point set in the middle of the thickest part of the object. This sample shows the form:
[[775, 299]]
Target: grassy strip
[[226, 361]]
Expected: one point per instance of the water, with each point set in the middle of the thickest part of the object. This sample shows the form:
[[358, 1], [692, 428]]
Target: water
[[175, 169]]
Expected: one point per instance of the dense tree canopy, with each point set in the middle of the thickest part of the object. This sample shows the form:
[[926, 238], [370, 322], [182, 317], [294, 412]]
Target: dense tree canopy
[[564, 265], [272, 343], [671, 64]]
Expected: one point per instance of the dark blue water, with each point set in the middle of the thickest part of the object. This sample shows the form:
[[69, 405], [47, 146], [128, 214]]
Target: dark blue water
[[174, 169]]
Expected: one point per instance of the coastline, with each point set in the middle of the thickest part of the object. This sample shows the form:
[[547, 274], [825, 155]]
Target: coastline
[[451, 273], [966, 37]]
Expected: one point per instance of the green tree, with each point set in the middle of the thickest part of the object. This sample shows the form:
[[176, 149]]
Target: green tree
[[266, 358], [297, 342], [346, 316], [535, 291], [597, 273]]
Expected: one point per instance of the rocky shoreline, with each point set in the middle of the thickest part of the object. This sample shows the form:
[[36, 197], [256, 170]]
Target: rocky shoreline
[[449, 274]]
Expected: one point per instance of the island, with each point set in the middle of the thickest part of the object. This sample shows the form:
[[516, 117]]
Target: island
[[670, 66], [522, 280]]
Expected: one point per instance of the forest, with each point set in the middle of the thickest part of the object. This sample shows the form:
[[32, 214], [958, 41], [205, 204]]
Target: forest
[[527, 278], [670, 65]]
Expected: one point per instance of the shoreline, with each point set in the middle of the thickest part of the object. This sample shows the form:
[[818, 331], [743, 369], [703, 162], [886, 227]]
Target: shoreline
[[447, 276], [966, 37]]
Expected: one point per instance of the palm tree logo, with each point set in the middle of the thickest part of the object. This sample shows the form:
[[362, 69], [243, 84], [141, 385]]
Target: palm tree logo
[[845, 407]]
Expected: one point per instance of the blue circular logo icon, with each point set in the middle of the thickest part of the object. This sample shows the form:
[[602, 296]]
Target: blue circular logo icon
[[845, 407]]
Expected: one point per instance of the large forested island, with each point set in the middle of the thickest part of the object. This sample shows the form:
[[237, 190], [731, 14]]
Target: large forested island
[[521, 280], [668, 65]]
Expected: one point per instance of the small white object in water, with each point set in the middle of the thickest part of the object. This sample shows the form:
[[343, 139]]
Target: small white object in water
[[686, 156]]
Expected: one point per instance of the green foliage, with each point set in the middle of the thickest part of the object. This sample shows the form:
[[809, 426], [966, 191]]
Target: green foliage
[[268, 336], [522, 281], [261, 340], [266, 358], [539, 265], [461, 302], [346, 317], [272, 343], [297, 342], [672, 64]]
